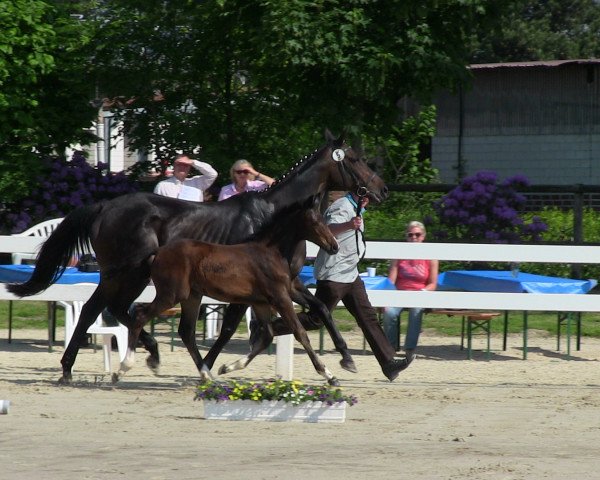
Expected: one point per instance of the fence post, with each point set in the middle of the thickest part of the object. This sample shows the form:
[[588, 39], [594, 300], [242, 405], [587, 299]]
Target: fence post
[[576, 270]]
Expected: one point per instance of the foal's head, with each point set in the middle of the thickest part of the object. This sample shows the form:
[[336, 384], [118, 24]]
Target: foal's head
[[317, 231]]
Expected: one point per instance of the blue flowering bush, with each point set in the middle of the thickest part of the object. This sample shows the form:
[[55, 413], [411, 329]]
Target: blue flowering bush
[[62, 187], [293, 392], [482, 209]]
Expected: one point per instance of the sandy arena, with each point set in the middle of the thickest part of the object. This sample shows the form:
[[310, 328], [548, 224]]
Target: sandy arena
[[444, 418]]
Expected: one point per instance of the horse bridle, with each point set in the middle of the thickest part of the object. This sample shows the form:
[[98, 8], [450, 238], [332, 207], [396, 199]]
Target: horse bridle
[[338, 155]]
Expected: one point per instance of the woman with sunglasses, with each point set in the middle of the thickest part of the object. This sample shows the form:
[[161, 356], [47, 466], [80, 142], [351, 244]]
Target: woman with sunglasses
[[410, 275], [244, 179]]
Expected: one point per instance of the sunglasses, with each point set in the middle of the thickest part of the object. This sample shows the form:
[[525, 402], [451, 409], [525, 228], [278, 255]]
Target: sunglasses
[[415, 235], [240, 172]]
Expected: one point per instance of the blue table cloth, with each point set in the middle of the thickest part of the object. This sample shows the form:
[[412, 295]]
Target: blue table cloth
[[21, 273], [507, 282], [307, 276]]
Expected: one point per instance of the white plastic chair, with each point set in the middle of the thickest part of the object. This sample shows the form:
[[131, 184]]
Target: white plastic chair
[[214, 320], [43, 229], [72, 313]]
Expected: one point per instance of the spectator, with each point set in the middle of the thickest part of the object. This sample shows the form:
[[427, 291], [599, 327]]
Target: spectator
[[179, 186], [410, 275], [240, 173]]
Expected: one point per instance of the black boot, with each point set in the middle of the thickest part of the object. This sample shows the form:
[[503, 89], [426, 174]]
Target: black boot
[[393, 368]]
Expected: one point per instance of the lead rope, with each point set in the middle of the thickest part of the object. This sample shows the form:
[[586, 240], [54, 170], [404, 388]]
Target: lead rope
[[361, 192]]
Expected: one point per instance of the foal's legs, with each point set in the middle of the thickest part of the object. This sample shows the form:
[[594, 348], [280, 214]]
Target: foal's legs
[[231, 320], [263, 315], [302, 296], [285, 308], [317, 316], [190, 309]]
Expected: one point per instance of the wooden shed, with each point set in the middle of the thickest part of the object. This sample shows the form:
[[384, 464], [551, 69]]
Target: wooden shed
[[539, 119]]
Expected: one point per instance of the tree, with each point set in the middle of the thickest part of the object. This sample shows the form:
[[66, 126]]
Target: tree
[[262, 79], [541, 30], [44, 95]]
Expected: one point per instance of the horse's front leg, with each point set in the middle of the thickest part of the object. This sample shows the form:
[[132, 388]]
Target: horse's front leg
[[231, 320], [288, 314], [319, 313], [190, 309], [263, 317]]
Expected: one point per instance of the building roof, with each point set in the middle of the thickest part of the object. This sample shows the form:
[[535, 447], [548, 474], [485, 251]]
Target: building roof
[[541, 63]]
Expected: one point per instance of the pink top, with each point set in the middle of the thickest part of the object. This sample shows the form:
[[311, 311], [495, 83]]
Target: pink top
[[412, 274], [252, 186]]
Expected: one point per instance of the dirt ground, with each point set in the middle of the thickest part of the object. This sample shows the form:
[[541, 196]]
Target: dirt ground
[[445, 417]]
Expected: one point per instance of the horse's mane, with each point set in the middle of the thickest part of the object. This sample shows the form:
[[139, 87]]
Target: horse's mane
[[296, 169]]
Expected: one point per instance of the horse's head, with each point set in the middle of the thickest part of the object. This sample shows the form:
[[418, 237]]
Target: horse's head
[[350, 172], [317, 231]]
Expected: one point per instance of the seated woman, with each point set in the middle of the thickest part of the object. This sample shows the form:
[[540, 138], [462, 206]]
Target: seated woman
[[410, 275]]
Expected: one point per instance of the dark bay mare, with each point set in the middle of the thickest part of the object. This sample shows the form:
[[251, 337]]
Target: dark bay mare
[[255, 273], [126, 231]]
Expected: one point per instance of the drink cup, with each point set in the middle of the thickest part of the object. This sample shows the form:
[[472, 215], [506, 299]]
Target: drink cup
[[4, 406], [371, 271]]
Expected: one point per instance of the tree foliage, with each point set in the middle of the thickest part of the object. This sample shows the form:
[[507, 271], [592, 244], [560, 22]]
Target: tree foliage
[[44, 89], [262, 79], [541, 30]]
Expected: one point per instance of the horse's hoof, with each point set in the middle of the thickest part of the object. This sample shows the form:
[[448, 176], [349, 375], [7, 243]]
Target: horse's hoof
[[334, 382], [222, 369], [115, 377], [153, 364], [349, 365], [65, 379]]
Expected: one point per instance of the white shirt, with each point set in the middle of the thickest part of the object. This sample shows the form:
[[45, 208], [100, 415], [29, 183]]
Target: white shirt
[[341, 267], [191, 188]]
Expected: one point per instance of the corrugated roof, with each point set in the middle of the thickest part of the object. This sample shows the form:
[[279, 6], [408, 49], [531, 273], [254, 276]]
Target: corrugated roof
[[542, 63]]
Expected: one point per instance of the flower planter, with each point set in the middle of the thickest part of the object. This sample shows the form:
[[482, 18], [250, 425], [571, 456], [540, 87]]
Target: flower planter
[[275, 411]]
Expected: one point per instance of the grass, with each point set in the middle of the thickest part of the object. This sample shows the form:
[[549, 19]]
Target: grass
[[28, 314]]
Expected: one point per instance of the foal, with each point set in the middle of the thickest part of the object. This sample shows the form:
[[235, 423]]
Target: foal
[[255, 273]]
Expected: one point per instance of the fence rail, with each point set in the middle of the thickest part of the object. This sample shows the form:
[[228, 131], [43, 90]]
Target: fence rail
[[434, 300]]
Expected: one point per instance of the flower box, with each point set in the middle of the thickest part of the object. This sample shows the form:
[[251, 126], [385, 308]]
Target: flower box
[[275, 411]]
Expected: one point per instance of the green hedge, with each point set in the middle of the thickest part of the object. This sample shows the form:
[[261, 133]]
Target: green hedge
[[388, 221]]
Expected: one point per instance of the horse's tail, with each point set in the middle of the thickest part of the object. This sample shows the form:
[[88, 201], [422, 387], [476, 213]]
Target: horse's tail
[[71, 236]]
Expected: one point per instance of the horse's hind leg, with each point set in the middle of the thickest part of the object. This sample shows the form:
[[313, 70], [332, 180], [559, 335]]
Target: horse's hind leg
[[302, 296], [187, 331], [263, 315], [90, 311], [151, 346], [231, 320]]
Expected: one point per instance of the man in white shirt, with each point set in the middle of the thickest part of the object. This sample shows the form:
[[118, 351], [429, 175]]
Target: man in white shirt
[[179, 186]]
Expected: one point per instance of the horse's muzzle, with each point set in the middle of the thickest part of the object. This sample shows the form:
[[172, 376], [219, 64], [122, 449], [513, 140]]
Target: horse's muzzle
[[379, 196]]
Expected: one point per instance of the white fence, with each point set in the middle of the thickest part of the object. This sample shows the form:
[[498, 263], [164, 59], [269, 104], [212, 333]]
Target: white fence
[[389, 250]]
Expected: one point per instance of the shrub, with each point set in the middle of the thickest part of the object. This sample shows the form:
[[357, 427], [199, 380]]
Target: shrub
[[62, 187], [482, 210]]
